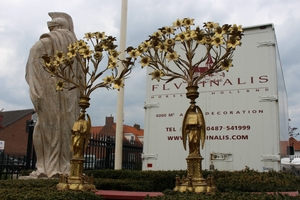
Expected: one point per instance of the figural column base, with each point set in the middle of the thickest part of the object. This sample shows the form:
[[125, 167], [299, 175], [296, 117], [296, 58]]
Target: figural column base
[[194, 182], [77, 180]]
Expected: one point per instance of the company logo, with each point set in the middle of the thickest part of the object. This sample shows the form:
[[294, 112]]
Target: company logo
[[214, 83], [208, 65]]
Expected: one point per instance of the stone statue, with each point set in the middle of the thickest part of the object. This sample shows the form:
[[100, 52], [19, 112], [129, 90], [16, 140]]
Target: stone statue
[[193, 129], [57, 111]]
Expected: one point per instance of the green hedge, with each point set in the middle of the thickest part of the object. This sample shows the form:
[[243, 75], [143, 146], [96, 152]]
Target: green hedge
[[132, 180], [231, 185], [241, 181], [39, 190], [171, 195], [253, 181]]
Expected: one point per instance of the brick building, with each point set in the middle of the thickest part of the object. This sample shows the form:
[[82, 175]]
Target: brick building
[[131, 133], [103, 147], [13, 130]]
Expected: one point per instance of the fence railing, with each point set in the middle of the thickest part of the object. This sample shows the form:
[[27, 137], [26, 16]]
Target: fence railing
[[100, 154], [11, 166]]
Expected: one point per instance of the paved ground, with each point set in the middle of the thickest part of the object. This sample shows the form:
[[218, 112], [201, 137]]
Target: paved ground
[[126, 195], [130, 195]]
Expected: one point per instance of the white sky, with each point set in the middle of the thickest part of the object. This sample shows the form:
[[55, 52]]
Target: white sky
[[22, 23]]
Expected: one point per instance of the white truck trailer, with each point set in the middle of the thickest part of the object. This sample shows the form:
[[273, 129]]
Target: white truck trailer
[[245, 111]]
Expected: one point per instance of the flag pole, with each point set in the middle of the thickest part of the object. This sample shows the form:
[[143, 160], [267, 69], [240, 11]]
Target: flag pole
[[120, 100]]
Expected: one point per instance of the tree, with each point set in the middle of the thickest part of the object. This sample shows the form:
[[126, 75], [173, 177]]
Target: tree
[[292, 131]]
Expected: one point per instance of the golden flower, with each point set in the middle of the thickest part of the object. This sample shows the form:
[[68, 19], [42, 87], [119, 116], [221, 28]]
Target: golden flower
[[226, 64], [196, 32], [217, 41], [68, 61], [157, 74], [197, 29], [157, 34], [134, 53], [72, 47], [118, 83], [98, 47], [56, 63], [84, 47], [98, 55], [188, 22], [99, 35], [177, 23], [112, 64], [60, 85], [59, 56], [80, 44], [219, 31], [169, 42], [46, 60], [200, 38], [112, 59], [130, 48], [162, 47], [111, 38], [233, 42], [154, 43], [52, 69], [114, 53], [181, 37], [88, 36], [86, 53], [172, 56], [104, 46], [169, 30], [145, 61], [108, 79], [226, 27], [188, 34], [208, 40], [234, 28], [145, 46], [72, 53], [211, 25]]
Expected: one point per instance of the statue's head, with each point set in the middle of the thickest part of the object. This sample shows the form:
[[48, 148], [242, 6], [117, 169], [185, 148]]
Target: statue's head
[[60, 21]]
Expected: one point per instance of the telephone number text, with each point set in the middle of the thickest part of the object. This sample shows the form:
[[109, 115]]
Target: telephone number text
[[228, 128]]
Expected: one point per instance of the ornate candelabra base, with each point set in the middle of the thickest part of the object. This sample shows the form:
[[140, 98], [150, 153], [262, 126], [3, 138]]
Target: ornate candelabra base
[[193, 129], [77, 180], [80, 135], [194, 182]]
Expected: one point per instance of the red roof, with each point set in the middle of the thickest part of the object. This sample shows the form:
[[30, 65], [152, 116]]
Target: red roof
[[111, 130], [96, 129], [295, 143]]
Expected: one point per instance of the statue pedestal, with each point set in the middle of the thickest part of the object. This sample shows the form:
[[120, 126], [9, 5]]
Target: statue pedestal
[[77, 180]]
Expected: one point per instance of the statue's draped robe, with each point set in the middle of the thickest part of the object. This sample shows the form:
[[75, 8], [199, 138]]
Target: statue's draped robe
[[57, 110]]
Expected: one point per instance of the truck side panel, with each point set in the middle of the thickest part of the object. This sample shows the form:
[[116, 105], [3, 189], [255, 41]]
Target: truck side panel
[[241, 109]]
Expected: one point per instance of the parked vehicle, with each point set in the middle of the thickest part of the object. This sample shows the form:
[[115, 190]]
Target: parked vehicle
[[11, 160], [245, 111]]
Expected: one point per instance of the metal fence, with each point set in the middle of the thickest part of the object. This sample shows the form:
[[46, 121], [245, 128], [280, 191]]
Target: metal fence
[[100, 154], [11, 165]]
